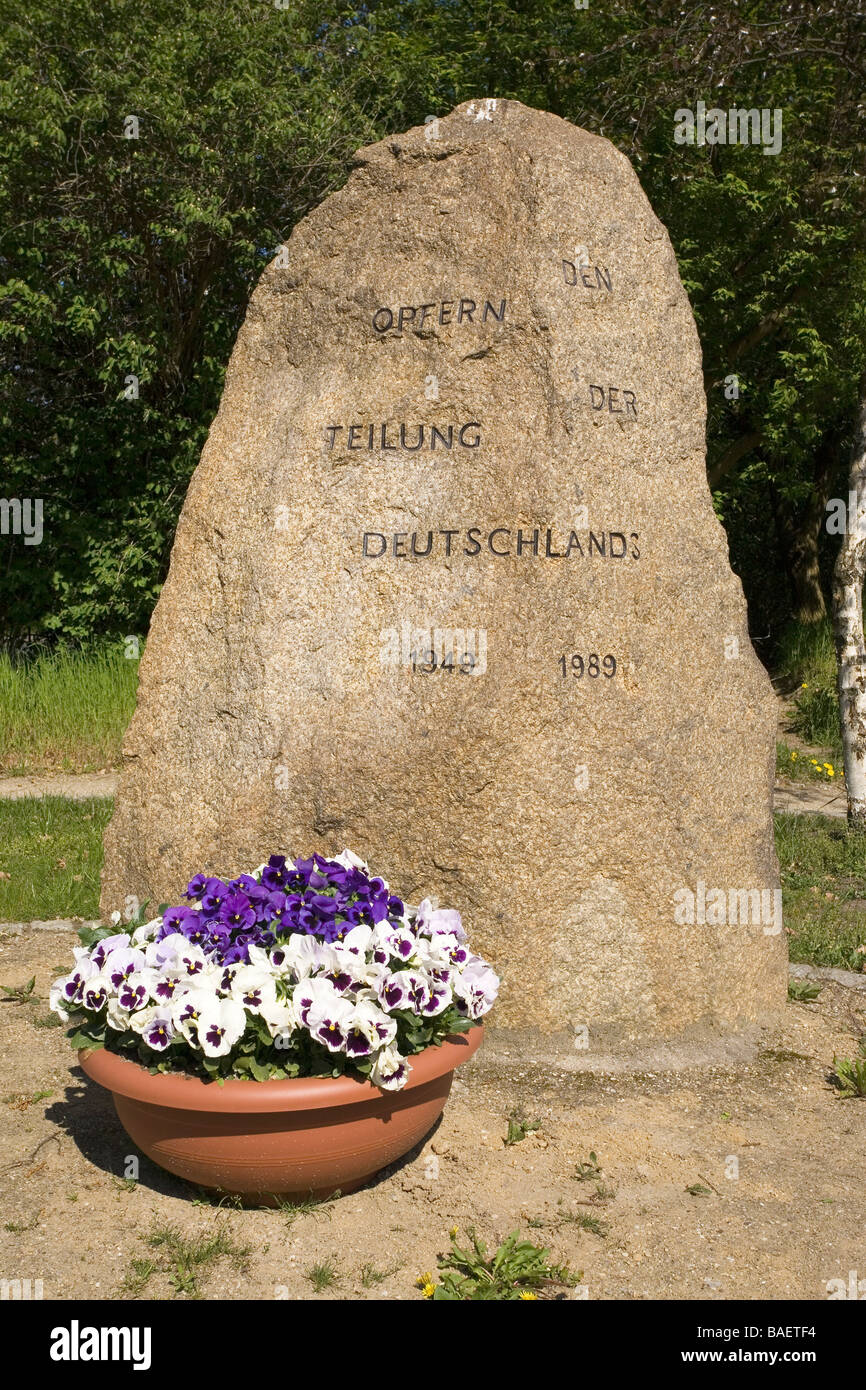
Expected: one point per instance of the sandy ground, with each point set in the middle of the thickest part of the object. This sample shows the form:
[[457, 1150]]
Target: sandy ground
[[809, 798], [793, 1218], [75, 786]]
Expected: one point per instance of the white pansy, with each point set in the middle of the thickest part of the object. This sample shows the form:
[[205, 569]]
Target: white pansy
[[329, 1020], [390, 1071], [280, 1018], [146, 932], [399, 942], [116, 1017], [431, 921], [302, 954], [221, 1023], [123, 962], [154, 1025], [184, 957], [96, 993], [374, 1024], [348, 860], [57, 1000], [477, 987], [252, 987], [357, 940], [103, 948]]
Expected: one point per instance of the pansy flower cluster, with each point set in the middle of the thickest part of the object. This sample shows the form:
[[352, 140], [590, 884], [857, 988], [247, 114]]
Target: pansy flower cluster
[[303, 967]]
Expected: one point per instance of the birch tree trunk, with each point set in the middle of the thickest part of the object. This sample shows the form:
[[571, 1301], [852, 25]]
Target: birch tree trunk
[[848, 628]]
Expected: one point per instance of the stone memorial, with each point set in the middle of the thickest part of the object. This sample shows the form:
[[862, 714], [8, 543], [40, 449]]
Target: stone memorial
[[448, 589]]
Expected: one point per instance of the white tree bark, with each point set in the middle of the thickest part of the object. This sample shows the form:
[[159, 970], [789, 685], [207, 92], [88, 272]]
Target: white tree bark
[[848, 580]]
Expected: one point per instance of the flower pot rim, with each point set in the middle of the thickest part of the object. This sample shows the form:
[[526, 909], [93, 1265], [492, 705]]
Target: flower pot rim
[[177, 1091]]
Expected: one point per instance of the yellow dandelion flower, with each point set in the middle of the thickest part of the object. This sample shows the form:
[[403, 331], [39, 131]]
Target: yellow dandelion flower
[[793, 757], [805, 685], [454, 1232], [424, 1279], [429, 1290], [527, 1297], [831, 773]]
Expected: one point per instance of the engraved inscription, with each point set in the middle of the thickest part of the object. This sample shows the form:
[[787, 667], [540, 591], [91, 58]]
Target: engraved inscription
[[591, 277], [532, 542], [400, 436], [591, 666], [615, 399], [418, 317]]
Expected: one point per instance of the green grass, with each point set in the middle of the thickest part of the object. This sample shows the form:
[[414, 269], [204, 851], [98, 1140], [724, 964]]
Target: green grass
[[51, 850], [65, 711], [185, 1260], [815, 717], [823, 890], [805, 662], [805, 652], [323, 1275], [370, 1275]]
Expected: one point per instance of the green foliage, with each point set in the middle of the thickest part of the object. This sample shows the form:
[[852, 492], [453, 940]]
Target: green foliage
[[21, 994], [518, 1129], [802, 766], [803, 991], [516, 1270], [586, 1171], [369, 1276], [587, 1222], [185, 1260], [805, 652], [849, 1074], [136, 257], [291, 1211]]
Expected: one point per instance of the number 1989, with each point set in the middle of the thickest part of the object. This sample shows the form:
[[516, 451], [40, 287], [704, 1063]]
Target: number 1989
[[591, 666]]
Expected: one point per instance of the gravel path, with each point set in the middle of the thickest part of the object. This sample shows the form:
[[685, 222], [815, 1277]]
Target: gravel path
[[76, 786], [801, 798]]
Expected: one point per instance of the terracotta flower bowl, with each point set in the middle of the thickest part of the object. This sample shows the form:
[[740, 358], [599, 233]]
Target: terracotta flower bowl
[[271, 1141]]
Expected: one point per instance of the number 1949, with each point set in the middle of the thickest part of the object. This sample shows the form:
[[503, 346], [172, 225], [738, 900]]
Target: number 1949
[[592, 665]]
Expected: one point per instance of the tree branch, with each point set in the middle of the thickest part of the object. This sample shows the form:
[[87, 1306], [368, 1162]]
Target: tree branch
[[732, 455]]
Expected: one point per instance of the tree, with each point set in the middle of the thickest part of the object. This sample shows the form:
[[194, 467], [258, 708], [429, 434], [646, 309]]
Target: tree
[[156, 156], [848, 629]]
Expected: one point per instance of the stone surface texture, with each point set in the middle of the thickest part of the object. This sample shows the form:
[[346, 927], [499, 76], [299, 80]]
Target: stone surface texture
[[279, 707]]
